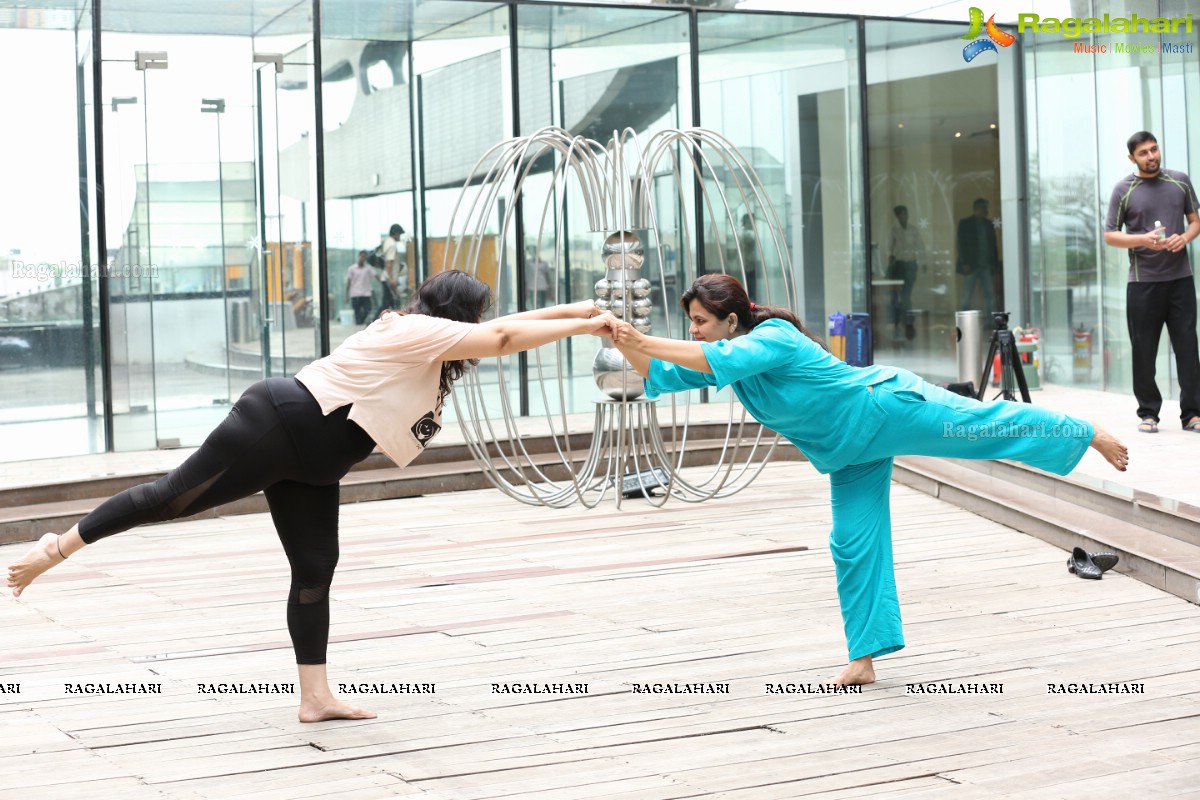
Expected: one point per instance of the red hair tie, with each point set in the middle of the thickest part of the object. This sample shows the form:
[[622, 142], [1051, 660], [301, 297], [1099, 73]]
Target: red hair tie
[[752, 306]]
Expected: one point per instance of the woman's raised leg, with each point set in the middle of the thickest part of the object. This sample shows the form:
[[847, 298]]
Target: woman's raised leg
[[249, 450], [927, 420]]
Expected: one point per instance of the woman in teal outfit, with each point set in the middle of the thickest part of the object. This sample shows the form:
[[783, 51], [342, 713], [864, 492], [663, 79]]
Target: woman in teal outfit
[[850, 422]]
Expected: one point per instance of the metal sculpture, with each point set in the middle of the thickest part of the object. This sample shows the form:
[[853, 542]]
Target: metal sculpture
[[626, 193]]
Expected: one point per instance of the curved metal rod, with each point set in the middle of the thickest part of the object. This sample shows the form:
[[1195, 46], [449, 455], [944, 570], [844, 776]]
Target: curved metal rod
[[616, 188]]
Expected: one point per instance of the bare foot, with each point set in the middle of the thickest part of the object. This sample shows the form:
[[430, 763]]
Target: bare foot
[[41, 557], [858, 672], [1110, 447], [332, 709]]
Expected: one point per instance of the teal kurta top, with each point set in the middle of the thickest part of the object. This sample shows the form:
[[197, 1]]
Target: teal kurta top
[[791, 385]]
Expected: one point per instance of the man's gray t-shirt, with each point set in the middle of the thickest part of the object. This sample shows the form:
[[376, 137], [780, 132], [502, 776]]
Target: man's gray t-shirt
[[1136, 204]]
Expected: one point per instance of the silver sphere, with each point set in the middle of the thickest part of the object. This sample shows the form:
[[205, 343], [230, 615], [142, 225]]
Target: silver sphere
[[641, 307], [617, 307], [622, 250], [624, 261], [617, 288], [621, 242], [603, 305], [641, 324], [603, 287], [641, 288], [615, 376]]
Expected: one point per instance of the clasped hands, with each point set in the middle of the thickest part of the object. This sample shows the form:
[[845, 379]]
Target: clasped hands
[[605, 324]]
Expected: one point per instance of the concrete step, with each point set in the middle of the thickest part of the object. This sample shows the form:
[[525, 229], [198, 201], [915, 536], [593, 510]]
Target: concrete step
[[27, 512], [1122, 503], [1158, 540]]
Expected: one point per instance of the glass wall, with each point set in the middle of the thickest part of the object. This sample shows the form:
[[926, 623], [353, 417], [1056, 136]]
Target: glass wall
[[285, 282], [1077, 147], [210, 221], [785, 90], [167, 133], [214, 120], [50, 382], [933, 144], [379, 71], [441, 85], [605, 74]]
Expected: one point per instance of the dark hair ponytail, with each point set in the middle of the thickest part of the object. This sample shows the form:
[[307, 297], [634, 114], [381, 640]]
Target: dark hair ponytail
[[453, 295], [723, 295]]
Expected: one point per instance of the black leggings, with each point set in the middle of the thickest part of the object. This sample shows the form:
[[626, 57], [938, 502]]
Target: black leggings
[[275, 440]]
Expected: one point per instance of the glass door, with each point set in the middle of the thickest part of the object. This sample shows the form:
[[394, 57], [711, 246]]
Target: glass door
[[128, 236], [180, 202], [934, 137], [785, 90], [287, 296]]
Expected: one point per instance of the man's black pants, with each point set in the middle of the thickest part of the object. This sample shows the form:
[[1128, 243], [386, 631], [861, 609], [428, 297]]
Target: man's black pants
[[1148, 307]]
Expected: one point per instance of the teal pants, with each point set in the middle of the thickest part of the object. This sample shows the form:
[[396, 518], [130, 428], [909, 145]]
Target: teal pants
[[924, 420]]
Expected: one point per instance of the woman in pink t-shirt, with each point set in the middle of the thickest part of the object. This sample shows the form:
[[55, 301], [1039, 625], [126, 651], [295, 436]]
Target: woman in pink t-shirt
[[294, 438]]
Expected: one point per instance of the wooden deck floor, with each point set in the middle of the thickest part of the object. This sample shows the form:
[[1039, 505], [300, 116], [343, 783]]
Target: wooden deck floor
[[469, 590]]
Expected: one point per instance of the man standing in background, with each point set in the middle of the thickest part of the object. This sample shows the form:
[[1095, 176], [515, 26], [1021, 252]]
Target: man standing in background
[[395, 270], [1153, 204], [978, 256], [905, 249]]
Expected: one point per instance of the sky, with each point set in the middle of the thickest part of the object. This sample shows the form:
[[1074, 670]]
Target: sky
[[38, 165]]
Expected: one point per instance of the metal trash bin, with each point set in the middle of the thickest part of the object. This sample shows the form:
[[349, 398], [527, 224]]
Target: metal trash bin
[[858, 339], [240, 320], [972, 337]]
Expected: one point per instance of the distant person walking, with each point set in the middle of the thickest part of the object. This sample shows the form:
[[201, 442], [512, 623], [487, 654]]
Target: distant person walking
[[394, 273], [359, 288]]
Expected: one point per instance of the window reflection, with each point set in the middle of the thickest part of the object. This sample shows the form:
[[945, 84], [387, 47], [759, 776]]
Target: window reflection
[[933, 144]]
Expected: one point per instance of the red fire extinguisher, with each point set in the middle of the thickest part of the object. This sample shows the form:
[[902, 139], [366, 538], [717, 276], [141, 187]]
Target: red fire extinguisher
[[1030, 361], [1031, 335]]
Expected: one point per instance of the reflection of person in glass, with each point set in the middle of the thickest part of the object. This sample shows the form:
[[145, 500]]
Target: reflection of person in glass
[[850, 422], [905, 250], [539, 280], [358, 288], [395, 270], [748, 247], [1153, 204], [294, 438], [978, 256]]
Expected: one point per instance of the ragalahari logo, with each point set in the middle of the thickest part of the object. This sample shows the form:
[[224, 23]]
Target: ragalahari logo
[[995, 36]]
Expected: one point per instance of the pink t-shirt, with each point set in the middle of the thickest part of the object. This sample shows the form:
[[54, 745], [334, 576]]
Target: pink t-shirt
[[389, 372]]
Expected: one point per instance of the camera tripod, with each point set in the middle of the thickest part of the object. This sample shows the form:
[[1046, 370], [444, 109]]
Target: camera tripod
[[1012, 375]]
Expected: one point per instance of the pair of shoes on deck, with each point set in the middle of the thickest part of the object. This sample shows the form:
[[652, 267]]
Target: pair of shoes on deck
[[1091, 566]]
